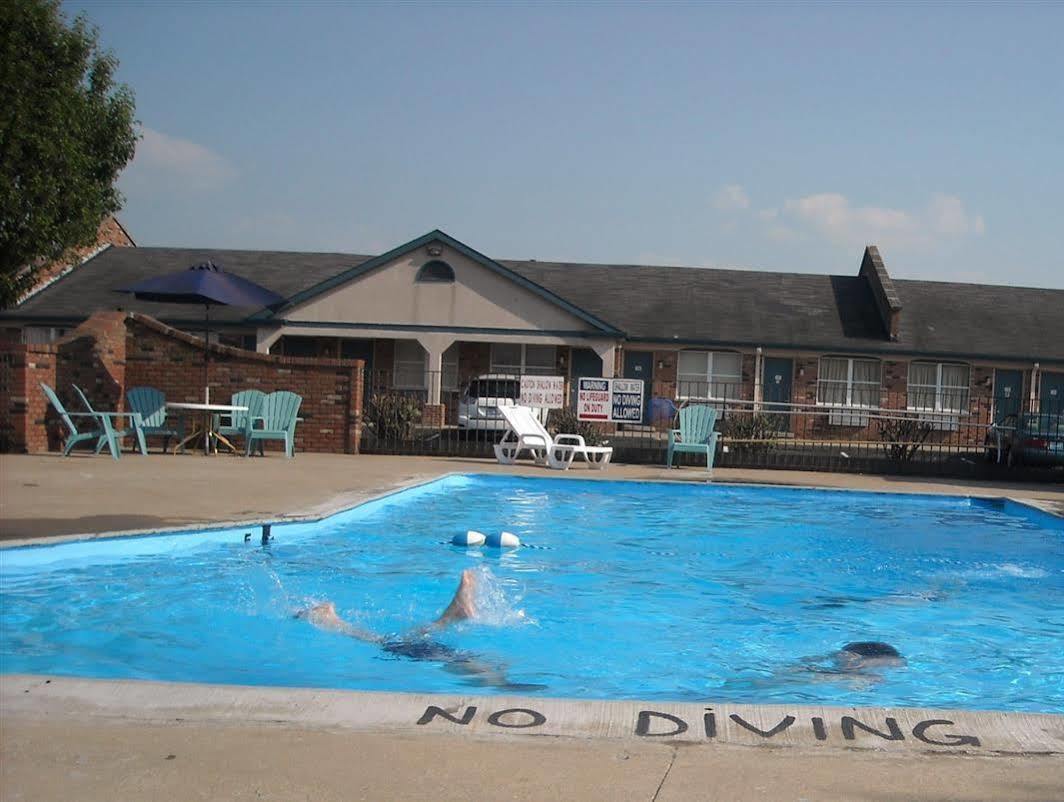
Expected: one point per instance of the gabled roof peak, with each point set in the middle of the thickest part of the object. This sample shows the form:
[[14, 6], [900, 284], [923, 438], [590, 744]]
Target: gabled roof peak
[[436, 235]]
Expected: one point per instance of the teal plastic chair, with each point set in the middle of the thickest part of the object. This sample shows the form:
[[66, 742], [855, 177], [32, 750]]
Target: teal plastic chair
[[233, 424], [119, 434], [148, 408], [696, 434], [105, 434], [278, 415]]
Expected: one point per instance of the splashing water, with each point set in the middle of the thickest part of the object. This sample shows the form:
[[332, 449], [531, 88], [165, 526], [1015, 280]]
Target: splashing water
[[496, 601]]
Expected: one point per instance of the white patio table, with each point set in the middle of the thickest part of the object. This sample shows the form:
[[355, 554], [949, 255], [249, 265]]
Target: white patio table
[[207, 427]]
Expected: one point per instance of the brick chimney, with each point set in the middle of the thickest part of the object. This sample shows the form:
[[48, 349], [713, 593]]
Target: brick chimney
[[879, 281]]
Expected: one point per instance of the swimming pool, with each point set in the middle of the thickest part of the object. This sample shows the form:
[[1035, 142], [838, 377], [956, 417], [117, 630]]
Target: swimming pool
[[623, 590]]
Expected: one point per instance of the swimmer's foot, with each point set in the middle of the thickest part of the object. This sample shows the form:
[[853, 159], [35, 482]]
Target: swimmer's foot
[[462, 606], [322, 615]]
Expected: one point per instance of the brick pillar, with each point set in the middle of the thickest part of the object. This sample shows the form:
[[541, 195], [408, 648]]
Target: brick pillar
[[433, 415], [23, 407], [93, 356]]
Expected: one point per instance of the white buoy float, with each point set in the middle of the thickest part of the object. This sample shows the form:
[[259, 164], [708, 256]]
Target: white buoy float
[[503, 540], [470, 538]]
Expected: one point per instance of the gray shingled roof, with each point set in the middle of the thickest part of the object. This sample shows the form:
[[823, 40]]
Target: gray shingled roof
[[720, 306], [665, 304], [91, 287], [746, 307]]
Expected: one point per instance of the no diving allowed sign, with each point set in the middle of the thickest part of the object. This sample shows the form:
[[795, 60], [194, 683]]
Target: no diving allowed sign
[[610, 400], [748, 724]]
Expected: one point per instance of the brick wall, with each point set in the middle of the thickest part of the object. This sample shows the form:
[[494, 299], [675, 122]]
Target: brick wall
[[23, 409], [162, 357], [894, 395], [113, 351], [664, 384]]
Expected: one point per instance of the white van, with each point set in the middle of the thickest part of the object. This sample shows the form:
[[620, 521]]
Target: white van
[[478, 406]]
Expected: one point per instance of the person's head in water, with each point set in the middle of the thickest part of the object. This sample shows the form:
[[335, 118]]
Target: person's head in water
[[868, 654]]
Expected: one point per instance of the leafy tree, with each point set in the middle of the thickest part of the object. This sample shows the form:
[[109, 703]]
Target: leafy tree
[[66, 132]]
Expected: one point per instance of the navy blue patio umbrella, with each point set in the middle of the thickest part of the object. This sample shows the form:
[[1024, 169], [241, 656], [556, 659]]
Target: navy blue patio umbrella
[[205, 284]]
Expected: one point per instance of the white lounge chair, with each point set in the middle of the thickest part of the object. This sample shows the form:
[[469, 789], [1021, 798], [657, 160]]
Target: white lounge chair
[[527, 433]]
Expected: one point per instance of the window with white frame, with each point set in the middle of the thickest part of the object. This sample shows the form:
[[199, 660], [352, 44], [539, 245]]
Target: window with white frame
[[715, 375], [518, 359], [848, 382], [410, 363], [938, 387]]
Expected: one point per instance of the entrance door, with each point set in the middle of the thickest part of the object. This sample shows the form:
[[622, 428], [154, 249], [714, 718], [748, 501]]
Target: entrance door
[[776, 384], [1008, 393], [586, 364], [1051, 397], [640, 365]]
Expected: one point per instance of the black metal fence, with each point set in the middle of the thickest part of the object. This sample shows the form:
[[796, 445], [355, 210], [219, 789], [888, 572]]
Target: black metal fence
[[935, 433]]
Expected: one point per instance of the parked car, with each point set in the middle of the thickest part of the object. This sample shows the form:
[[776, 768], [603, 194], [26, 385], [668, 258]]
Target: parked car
[[478, 406], [1030, 439]]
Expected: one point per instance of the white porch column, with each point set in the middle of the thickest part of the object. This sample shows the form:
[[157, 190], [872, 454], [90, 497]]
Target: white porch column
[[1034, 387], [608, 354], [759, 369], [435, 345], [264, 338]]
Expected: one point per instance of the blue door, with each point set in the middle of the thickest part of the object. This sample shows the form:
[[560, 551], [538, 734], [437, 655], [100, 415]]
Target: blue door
[[586, 363], [640, 365], [1008, 393], [776, 384], [1051, 397]]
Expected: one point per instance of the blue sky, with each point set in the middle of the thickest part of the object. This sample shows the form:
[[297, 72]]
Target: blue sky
[[776, 136]]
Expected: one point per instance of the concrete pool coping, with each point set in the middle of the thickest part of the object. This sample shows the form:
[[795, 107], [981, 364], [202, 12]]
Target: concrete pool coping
[[345, 502], [50, 719], [896, 729]]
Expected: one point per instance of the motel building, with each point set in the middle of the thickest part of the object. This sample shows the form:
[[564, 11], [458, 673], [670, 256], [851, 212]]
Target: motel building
[[432, 316]]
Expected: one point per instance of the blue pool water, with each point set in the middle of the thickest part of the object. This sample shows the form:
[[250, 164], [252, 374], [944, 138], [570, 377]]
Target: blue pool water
[[624, 590]]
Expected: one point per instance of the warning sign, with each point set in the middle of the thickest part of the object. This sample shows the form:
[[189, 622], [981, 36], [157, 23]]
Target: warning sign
[[593, 399], [627, 400], [543, 392], [614, 400]]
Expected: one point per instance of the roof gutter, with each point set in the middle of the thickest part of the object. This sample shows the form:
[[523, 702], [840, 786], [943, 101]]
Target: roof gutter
[[43, 320]]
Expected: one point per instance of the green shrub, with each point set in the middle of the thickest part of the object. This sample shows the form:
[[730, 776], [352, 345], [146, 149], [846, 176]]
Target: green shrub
[[564, 421], [902, 437], [742, 426], [392, 415]]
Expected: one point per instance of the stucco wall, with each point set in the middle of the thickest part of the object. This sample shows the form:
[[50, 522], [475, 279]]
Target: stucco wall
[[478, 298]]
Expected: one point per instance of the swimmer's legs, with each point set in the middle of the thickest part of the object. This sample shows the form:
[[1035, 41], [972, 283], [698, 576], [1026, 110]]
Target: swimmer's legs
[[324, 616], [462, 606]]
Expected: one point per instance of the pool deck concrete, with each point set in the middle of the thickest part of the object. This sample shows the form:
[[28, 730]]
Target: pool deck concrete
[[66, 738], [48, 495]]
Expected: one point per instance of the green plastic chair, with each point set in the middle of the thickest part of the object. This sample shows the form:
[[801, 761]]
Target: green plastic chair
[[148, 408], [119, 434], [695, 434], [104, 434], [237, 421], [278, 415]]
